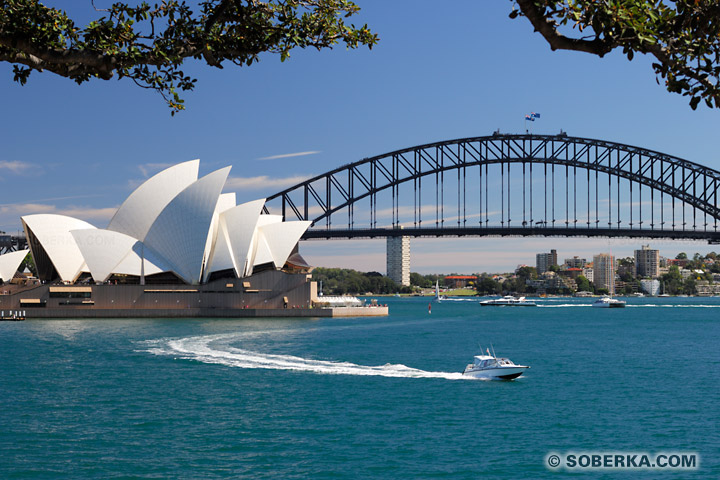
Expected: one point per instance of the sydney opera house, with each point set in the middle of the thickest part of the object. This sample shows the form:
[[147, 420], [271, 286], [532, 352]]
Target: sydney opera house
[[177, 246]]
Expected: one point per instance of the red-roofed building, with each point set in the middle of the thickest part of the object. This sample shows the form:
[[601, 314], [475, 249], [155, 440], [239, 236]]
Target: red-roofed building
[[459, 281], [571, 272], [680, 262]]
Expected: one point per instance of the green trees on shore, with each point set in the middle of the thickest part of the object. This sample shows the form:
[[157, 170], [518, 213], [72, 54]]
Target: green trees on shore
[[697, 270], [339, 281]]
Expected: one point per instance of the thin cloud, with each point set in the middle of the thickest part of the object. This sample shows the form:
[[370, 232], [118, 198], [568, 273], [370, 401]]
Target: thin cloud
[[151, 168], [15, 166], [89, 213], [263, 181], [10, 214], [289, 155], [20, 209], [52, 199]]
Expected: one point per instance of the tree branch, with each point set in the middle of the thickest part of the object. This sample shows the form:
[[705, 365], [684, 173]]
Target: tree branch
[[547, 28]]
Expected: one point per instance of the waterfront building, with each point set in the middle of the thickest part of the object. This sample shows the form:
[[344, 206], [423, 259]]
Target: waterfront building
[[177, 247], [589, 274], [575, 262], [398, 259], [604, 272], [571, 273], [552, 282], [678, 262], [707, 289], [626, 287], [174, 228], [543, 261], [647, 262], [650, 286]]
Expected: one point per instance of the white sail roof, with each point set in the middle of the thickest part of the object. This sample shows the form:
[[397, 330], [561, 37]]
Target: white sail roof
[[102, 250], [225, 202], [53, 233], [173, 222], [131, 264], [221, 258], [179, 234], [239, 224], [142, 207], [9, 264], [262, 254], [281, 238], [259, 250]]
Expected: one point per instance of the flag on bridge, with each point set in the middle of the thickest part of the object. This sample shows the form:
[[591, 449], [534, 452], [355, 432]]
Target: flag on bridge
[[530, 117], [535, 115]]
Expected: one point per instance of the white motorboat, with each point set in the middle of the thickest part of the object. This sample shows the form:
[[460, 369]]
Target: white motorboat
[[508, 301], [608, 302], [489, 366]]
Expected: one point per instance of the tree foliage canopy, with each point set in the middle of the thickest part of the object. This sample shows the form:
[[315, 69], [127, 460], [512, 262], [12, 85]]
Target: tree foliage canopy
[[339, 281], [683, 36], [149, 43]]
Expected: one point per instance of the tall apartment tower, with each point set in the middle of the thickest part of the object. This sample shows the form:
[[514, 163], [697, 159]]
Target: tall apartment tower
[[647, 262], [604, 272], [543, 261], [398, 260]]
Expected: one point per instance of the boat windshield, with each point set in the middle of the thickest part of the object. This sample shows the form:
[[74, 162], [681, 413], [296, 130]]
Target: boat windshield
[[480, 362]]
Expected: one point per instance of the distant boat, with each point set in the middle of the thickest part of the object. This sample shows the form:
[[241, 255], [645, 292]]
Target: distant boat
[[438, 297], [508, 301], [607, 302]]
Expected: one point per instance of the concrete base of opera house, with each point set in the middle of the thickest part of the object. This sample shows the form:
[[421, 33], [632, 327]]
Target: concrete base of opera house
[[370, 311], [266, 294]]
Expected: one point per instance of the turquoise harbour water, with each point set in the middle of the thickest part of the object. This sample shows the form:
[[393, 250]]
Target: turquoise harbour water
[[377, 398]]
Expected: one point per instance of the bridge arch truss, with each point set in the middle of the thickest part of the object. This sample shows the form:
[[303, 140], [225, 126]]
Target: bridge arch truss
[[510, 185]]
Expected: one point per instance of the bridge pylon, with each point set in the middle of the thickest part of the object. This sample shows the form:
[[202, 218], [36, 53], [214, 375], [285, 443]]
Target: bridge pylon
[[398, 259]]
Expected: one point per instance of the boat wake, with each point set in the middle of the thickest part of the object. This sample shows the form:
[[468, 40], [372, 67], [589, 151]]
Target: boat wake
[[219, 349], [673, 306], [565, 305], [644, 305]]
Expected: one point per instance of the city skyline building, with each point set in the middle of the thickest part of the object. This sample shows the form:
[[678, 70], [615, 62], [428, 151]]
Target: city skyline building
[[604, 272], [647, 262], [575, 262], [543, 261]]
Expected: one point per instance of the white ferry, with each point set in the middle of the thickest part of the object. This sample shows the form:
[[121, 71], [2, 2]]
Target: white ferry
[[608, 302], [508, 301]]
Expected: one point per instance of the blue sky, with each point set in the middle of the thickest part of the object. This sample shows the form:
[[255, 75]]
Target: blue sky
[[437, 73]]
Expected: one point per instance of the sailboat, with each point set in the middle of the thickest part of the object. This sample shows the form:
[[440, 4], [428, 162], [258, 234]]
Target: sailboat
[[438, 297]]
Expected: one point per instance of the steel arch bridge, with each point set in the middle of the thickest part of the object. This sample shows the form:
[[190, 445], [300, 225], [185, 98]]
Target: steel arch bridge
[[510, 185]]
